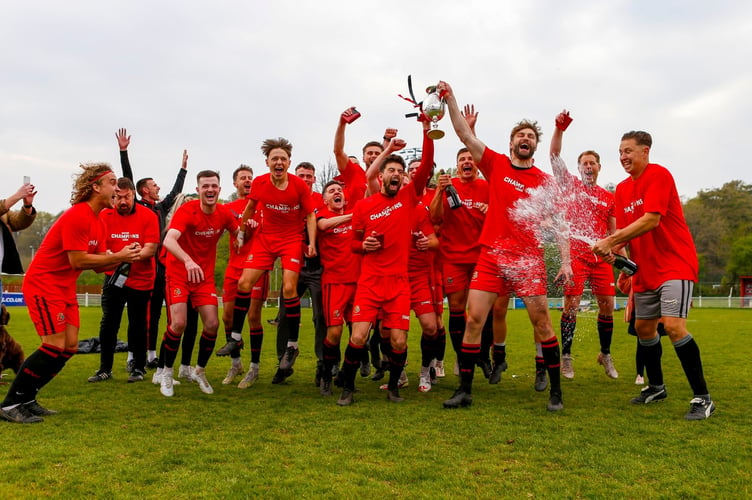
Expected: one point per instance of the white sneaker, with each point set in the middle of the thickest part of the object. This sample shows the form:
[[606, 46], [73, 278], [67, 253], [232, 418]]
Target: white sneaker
[[165, 384], [425, 380], [403, 382], [439, 366], [608, 365], [156, 379], [199, 376], [185, 372], [249, 378], [639, 380], [567, 370], [234, 371]]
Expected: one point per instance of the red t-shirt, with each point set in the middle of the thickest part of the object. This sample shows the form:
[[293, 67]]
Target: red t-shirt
[[667, 252], [461, 228], [340, 265], [420, 261], [141, 226], [199, 235], [588, 209], [354, 179], [236, 209], [50, 272], [284, 210], [505, 229]]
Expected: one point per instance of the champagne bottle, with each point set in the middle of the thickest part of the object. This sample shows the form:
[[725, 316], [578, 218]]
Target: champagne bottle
[[120, 275], [625, 265], [453, 198]]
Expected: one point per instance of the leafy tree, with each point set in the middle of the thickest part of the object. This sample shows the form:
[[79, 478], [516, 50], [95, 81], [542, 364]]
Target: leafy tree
[[740, 259]]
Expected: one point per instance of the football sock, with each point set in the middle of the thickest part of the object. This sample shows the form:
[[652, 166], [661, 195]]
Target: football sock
[[440, 343], [467, 358], [292, 315], [240, 311], [689, 355], [41, 365], [605, 332], [457, 322], [171, 344], [568, 324], [550, 348], [396, 365], [652, 351], [205, 347], [353, 355], [256, 340]]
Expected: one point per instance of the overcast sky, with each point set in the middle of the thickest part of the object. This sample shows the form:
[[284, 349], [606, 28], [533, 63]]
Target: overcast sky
[[217, 78]]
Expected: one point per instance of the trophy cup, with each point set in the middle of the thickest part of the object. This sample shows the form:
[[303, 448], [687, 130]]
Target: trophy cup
[[433, 108]]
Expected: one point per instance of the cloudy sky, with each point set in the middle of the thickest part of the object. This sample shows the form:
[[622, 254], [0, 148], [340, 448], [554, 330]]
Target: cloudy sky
[[216, 78]]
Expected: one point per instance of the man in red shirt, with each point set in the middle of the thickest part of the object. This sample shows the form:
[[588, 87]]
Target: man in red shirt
[[590, 213], [338, 278], [191, 244], [286, 203], [511, 257], [382, 236], [650, 221], [242, 179], [69, 247], [128, 223]]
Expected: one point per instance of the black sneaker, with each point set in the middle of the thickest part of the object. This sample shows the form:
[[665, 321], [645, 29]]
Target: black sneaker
[[281, 375], [346, 399], [100, 376], [35, 408], [130, 365], [650, 394], [394, 396], [153, 364], [136, 376], [289, 357], [460, 398], [700, 409], [541, 380], [317, 375], [495, 377], [19, 415], [485, 366], [555, 402], [365, 369], [230, 347]]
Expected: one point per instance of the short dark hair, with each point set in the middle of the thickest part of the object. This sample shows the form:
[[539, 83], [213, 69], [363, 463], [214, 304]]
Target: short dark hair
[[206, 173], [393, 158], [141, 184], [330, 183], [523, 124], [461, 150], [241, 168], [306, 165], [278, 143], [372, 143], [125, 183], [642, 138]]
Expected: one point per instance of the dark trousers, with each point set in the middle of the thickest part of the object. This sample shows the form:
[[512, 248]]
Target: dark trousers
[[155, 310], [114, 300], [311, 281]]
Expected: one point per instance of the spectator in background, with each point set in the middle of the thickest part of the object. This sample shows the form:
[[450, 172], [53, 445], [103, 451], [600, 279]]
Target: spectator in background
[[11, 221]]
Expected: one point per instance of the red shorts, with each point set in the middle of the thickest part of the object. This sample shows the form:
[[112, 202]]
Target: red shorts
[[421, 294], [457, 277], [338, 302], [201, 294], [260, 290], [504, 273], [600, 274], [51, 314], [264, 252], [390, 294]]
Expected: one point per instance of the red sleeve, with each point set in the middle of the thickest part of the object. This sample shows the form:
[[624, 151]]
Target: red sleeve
[[426, 163], [658, 191]]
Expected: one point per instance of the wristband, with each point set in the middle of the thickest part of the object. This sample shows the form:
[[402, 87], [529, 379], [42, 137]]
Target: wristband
[[28, 206], [386, 139]]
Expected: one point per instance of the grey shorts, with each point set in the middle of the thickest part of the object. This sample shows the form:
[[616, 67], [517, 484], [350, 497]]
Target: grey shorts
[[671, 299]]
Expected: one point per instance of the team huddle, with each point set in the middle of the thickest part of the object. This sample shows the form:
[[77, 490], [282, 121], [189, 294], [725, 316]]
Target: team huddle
[[374, 245]]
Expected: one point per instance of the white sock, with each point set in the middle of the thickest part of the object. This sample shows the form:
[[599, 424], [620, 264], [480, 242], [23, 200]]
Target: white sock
[[293, 344], [130, 356], [152, 355], [236, 336]]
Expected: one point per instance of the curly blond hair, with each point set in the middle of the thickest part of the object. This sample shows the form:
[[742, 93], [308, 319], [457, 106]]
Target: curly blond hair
[[83, 183]]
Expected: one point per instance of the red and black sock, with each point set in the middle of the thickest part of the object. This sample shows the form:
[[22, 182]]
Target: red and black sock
[[427, 350], [551, 356], [568, 324], [240, 311], [353, 355], [292, 317], [467, 358], [440, 343], [457, 321], [396, 365], [171, 344], [205, 347], [605, 332], [499, 354], [257, 339], [36, 370], [331, 359]]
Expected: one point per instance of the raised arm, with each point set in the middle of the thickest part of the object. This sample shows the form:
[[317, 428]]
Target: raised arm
[[426, 162], [372, 174], [558, 165], [124, 140], [177, 188], [339, 140], [461, 127]]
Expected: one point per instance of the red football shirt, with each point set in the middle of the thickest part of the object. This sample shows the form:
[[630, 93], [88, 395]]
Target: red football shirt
[[504, 229], [588, 210], [420, 261], [199, 235], [340, 265], [50, 272], [142, 227], [668, 251], [461, 228], [354, 179], [284, 210]]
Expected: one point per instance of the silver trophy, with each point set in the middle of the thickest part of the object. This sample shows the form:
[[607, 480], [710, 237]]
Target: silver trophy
[[433, 108]]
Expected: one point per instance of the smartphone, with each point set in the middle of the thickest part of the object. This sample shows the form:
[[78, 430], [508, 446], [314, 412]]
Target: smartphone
[[351, 117], [27, 180]]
